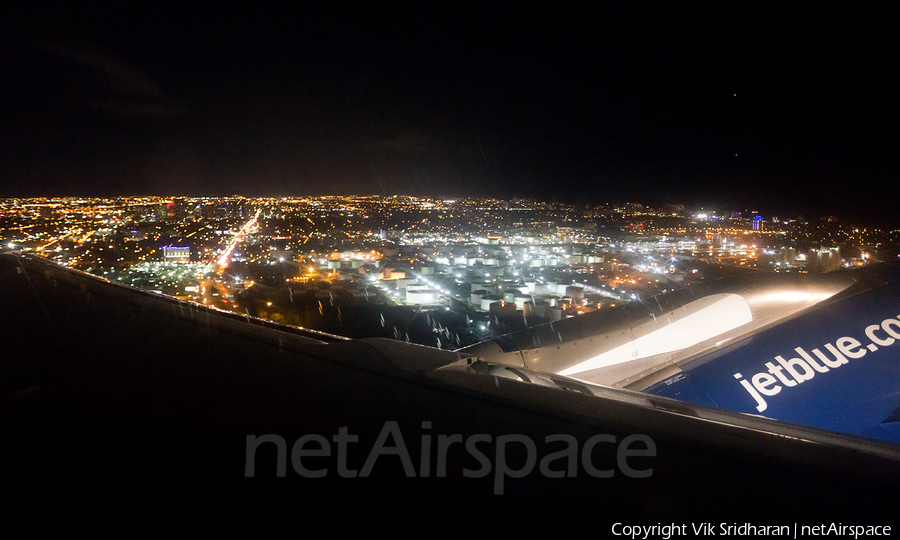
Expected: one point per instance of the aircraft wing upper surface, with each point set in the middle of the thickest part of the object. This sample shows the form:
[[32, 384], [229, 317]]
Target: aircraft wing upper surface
[[836, 367], [818, 350]]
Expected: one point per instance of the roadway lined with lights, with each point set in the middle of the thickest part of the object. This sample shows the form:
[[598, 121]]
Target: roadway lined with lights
[[238, 237]]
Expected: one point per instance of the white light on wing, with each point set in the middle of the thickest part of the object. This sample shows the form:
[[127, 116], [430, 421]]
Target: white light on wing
[[785, 297], [709, 322]]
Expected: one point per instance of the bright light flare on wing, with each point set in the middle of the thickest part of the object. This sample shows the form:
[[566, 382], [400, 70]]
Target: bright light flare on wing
[[719, 317]]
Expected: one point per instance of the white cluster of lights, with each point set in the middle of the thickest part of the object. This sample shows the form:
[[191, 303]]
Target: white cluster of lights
[[384, 288], [602, 292], [431, 284]]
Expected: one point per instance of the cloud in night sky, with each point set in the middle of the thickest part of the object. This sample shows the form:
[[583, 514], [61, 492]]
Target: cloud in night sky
[[127, 91]]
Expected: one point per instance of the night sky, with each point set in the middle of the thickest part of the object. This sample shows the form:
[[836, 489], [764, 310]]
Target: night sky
[[784, 109]]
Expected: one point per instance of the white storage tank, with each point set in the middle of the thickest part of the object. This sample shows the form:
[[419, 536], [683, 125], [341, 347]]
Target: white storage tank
[[476, 297], [421, 296], [521, 299], [528, 309], [488, 300], [577, 293]]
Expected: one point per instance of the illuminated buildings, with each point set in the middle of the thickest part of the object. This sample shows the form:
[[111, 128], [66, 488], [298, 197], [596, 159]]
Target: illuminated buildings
[[495, 264], [823, 260], [176, 254]]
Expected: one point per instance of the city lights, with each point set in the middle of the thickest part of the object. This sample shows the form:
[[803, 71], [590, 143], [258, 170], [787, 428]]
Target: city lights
[[309, 260]]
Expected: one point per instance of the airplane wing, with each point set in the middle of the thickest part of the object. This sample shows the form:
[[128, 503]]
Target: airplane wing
[[128, 413], [788, 347], [836, 367]]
